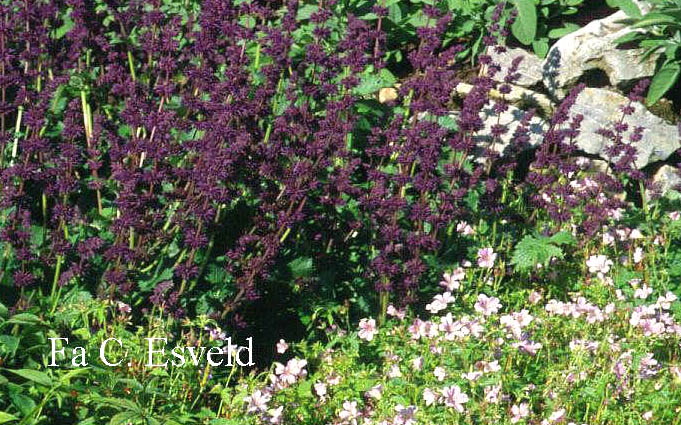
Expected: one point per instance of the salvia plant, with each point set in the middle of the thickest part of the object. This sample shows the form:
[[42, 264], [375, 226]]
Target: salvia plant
[[170, 169]]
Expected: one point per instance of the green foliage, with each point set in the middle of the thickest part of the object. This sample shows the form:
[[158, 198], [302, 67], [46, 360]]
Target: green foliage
[[534, 250], [658, 32]]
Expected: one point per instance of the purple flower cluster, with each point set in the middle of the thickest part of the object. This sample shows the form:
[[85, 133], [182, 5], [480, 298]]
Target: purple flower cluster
[[138, 141]]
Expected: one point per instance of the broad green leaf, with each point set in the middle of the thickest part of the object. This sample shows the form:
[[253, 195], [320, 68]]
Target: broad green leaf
[[6, 417], [664, 80], [33, 375], [541, 47], [525, 26], [565, 30], [123, 418], [24, 319], [629, 7]]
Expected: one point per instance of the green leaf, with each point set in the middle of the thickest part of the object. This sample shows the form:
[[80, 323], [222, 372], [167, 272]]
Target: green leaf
[[123, 418], [563, 238], [301, 267], [6, 417], [304, 12], [629, 7], [664, 80], [533, 250], [24, 404], [541, 47], [525, 26], [24, 319], [565, 30], [33, 375]]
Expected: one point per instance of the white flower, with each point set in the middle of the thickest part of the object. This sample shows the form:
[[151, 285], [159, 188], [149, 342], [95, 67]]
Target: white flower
[[452, 281], [599, 264], [464, 228], [257, 401], [439, 373], [557, 416], [638, 255], [519, 412], [367, 329], [349, 412], [643, 292], [440, 302], [275, 415], [429, 396], [375, 392], [320, 389], [282, 346]]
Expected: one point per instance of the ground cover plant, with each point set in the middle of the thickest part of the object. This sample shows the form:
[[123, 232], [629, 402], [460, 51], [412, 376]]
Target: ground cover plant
[[211, 171]]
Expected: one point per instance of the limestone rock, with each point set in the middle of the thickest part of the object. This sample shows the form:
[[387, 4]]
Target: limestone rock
[[593, 47], [530, 68], [665, 180], [511, 119], [601, 108]]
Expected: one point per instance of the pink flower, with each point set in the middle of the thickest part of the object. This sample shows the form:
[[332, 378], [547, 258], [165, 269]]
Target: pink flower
[[375, 392], [257, 401], [275, 415], [674, 215], [487, 305], [440, 302], [643, 292], [519, 412], [557, 416], [429, 396], [439, 373], [454, 397], [123, 307], [394, 312], [464, 228], [367, 329], [599, 264], [282, 346], [349, 412], [486, 258], [492, 393], [527, 346], [534, 297], [452, 281], [320, 389]]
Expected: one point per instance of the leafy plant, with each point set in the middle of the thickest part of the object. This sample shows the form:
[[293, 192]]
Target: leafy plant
[[658, 32], [540, 249]]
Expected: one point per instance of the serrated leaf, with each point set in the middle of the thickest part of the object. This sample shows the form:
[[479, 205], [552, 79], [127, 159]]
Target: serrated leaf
[[563, 238], [532, 250], [301, 267]]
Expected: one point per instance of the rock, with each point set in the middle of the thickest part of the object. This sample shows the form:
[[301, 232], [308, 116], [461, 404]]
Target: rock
[[601, 108], [665, 180], [519, 96], [593, 47], [387, 94], [511, 119], [530, 68]]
